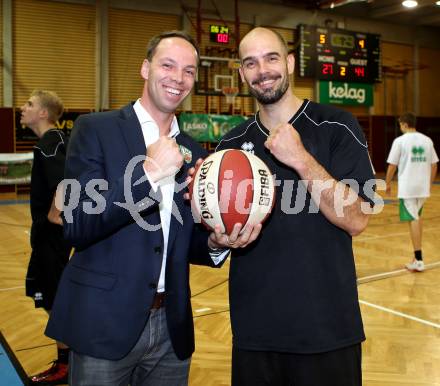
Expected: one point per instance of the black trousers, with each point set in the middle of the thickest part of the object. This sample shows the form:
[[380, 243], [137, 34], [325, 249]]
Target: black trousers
[[50, 254], [266, 368]]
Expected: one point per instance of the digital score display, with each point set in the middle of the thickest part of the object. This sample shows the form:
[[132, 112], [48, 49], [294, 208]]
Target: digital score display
[[339, 55], [219, 34]]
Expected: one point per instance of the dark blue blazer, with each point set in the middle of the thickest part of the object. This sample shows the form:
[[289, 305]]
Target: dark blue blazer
[[106, 290]]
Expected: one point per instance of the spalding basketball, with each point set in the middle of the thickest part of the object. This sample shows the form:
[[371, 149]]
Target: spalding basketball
[[232, 186]]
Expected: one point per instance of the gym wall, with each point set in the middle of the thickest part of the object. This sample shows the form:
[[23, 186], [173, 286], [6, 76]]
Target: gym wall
[[129, 33], [54, 48]]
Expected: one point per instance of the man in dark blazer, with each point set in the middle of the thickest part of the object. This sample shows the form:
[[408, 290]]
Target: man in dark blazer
[[123, 303]]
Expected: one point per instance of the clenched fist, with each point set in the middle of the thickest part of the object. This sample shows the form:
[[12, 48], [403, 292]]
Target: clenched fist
[[284, 142], [163, 159]]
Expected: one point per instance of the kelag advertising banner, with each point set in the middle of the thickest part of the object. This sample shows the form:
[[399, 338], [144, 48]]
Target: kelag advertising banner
[[208, 127], [343, 93]]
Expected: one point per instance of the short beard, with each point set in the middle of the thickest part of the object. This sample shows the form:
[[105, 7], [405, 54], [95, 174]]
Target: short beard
[[271, 96]]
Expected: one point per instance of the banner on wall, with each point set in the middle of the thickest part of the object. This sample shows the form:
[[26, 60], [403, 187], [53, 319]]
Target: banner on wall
[[15, 168], [65, 123], [208, 127], [342, 93]]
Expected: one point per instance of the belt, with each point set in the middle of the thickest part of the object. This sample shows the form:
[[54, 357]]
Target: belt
[[158, 300]]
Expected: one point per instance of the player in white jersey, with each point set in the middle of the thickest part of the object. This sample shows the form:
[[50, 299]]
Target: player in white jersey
[[414, 156]]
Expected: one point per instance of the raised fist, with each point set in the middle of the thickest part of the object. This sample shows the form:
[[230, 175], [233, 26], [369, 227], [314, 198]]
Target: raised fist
[[163, 159]]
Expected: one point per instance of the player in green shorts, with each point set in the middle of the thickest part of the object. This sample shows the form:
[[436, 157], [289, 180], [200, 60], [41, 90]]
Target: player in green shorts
[[414, 156]]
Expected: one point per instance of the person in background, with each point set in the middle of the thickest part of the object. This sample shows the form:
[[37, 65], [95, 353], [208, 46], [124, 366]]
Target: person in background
[[414, 156], [50, 251]]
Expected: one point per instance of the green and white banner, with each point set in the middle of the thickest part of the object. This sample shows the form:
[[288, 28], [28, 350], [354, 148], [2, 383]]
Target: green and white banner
[[208, 127], [342, 93], [15, 168]]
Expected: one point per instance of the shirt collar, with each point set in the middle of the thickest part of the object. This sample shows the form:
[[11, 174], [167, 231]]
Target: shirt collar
[[144, 117]]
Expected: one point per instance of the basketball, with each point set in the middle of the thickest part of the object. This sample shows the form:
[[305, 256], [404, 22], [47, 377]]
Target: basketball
[[232, 186]]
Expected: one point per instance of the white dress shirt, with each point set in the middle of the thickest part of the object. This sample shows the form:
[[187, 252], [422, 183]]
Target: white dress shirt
[[150, 131]]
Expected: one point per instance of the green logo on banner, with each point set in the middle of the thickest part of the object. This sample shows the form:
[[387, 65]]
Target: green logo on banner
[[354, 94], [208, 127]]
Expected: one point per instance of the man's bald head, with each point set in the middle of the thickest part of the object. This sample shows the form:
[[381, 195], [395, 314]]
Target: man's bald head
[[259, 33]]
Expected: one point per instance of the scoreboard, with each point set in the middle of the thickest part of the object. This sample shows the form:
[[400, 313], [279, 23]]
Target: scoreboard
[[219, 34], [338, 55]]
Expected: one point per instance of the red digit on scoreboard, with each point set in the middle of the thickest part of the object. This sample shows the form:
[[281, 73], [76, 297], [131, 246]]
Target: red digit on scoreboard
[[360, 72], [222, 38], [327, 69]]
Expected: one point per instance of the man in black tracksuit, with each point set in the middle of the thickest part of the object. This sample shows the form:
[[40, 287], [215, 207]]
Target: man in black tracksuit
[[50, 252]]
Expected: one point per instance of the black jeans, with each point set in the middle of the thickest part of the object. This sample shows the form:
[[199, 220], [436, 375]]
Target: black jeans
[[266, 368]]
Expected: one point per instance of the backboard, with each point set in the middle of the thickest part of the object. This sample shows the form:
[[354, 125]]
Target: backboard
[[218, 70]]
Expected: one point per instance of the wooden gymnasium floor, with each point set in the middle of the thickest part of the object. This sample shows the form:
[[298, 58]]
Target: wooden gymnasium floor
[[400, 310]]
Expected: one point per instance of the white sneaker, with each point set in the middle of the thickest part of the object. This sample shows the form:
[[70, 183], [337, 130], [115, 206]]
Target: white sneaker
[[415, 266]]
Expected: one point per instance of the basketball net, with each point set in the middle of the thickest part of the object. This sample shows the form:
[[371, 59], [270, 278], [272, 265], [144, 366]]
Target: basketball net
[[230, 93]]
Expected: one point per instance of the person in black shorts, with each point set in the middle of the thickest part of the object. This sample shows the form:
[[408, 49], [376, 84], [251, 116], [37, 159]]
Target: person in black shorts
[[50, 252], [293, 298]]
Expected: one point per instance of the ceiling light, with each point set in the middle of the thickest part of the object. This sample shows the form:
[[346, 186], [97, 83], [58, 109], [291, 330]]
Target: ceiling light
[[409, 3], [437, 3]]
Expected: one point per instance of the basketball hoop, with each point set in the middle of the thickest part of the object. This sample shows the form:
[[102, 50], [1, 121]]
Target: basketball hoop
[[230, 93]]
